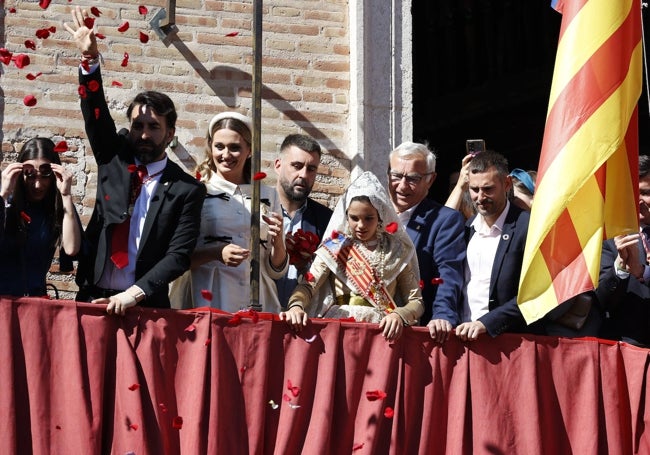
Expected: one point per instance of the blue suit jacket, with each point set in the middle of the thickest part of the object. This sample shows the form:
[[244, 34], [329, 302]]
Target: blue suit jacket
[[314, 219], [504, 314], [437, 233]]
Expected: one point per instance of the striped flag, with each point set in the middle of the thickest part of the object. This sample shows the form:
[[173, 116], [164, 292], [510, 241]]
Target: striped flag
[[587, 181]]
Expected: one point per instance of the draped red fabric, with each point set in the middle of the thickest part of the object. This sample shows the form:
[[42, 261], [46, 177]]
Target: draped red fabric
[[74, 379]]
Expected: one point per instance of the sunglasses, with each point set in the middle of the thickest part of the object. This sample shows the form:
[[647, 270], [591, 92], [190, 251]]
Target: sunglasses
[[30, 172]]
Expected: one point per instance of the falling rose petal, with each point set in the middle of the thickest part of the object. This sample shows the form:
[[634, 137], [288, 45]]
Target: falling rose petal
[[437, 280], [206, 294], [388, 412], [116, 84], [231, 34], [134, 386], [208, 341], [259, 176], [31, 76], [96, 113], [58, 427], [30, 44], [177, 423], [52, 29], [61, 147], [107, 197], [25, 217], [198, 175], [143, 10], [100, 36], [235, 320], [21, 60], [357, 446], [335, 234], [85, 65], [124, 27], [309, 277], [89, 22], [93, 85], [273, 404], [133, 426], [190, 328], [12, 10], [373, 395], [391, 228], [95, 11], [132, 168], [144, 38], [286, 397], [5, 56], [163, 407], [125, 60], [82, 91], [29, 101], [44, 3], [42, 33], [295, 390], [421, 284]]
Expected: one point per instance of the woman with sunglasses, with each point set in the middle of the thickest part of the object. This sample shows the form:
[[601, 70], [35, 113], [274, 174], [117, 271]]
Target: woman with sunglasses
[[38, 215]]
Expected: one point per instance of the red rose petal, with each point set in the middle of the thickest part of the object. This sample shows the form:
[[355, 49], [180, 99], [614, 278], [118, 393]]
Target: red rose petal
[[437, 280], [231, 34], [21, 60], [61, 147], [29, 101], [259, 176], [124, 27], [208, 341], [125, 60], [391, 228], [116, 84], [31, 76], [89, 22], [107, 197], [25, 217], [5, 56], [133, 426], [44, 3], [177, 423], [373, 395], [82, 91], [357, 446], [286, 397], [52, 29], [143, 10], [309, 277], [388, 412], [144, 38], [96, 113], [100, 36], [190, 328], [30, 44], [421, 284], [95, 12], [295, 390], [235, 320], [58, 427], [12, 10], [93, 85], [335, 234], [134, 386], [206, 294], [198, 175]]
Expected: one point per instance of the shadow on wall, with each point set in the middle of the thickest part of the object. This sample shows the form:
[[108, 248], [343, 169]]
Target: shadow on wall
[[268, 95]]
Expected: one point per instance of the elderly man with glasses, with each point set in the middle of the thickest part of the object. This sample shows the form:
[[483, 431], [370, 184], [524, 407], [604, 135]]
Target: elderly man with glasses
[[436, 231]]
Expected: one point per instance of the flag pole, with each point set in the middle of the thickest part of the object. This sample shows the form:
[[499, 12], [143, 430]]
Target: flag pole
[[256, 154]]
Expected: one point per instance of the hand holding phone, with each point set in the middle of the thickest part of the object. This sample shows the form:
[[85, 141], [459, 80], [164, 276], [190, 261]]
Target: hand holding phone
[[474, 146]]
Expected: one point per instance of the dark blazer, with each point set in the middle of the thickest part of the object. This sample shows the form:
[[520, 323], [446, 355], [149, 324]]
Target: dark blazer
[[504, 314], [626, 301], [172, 223], [314, 219], [437, 233]]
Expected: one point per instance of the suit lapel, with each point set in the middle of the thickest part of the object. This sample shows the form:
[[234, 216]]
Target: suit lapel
[[502, 248], [155, 204], [418, 222]]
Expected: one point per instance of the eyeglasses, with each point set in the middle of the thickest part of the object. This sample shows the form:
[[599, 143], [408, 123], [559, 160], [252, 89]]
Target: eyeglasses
[[411, 179], [30, 172]]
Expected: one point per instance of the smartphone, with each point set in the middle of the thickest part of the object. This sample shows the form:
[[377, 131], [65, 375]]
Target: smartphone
[[474, 146]]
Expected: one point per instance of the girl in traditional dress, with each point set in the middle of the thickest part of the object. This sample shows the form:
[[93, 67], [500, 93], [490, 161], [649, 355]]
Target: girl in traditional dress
[[367, 260]]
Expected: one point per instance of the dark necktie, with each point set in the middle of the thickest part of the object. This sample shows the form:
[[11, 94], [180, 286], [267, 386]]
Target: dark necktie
[[120, 238]]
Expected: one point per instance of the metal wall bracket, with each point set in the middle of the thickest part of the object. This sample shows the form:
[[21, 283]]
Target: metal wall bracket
[[165, 24]]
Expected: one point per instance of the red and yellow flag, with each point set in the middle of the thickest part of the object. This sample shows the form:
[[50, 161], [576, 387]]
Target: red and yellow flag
[[587, 178]]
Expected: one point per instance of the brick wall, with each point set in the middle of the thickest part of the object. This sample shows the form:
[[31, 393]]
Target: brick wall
[[305, 75]]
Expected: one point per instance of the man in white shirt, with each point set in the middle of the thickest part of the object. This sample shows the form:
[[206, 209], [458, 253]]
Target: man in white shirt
[[496, 238]]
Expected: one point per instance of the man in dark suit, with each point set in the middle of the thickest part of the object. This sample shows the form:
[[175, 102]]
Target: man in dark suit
[[297, 166], [145, 224], [496, 238], [624, 282], [436, 232]]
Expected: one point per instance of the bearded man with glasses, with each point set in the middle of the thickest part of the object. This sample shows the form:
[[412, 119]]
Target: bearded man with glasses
[[436, 231]]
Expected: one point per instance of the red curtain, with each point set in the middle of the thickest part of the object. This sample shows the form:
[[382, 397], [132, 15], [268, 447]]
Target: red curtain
[[77, 380]]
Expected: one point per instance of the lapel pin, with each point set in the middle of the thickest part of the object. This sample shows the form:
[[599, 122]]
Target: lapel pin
[[505, 237]]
